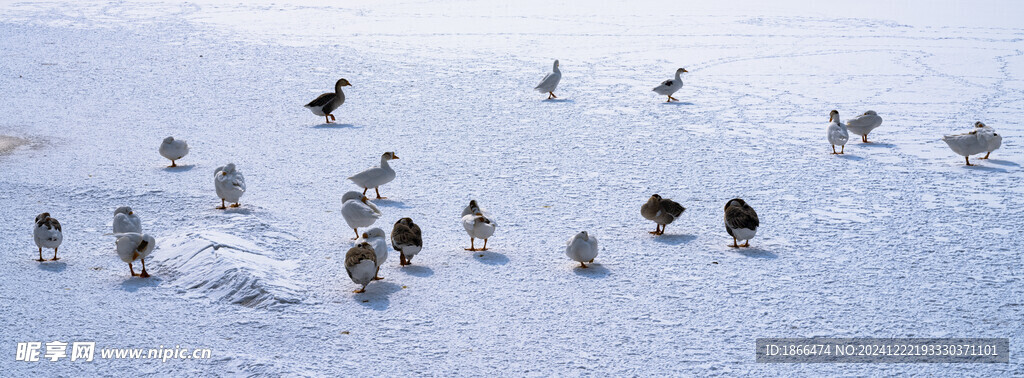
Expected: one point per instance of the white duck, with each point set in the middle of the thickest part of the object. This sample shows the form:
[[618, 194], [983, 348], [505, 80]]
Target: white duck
[[863, 124], [173, 149], [582, 248], [376, 176], [478, 227], [992, 140], [550, 81], [670, 87], [837, 133], [970, 143], [375, 237], [358, 211], [133, 246], [47, 234], [361, 265], [230, 184], [125, 220]]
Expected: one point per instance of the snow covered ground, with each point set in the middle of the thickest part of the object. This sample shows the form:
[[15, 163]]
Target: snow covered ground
[[894, 239]]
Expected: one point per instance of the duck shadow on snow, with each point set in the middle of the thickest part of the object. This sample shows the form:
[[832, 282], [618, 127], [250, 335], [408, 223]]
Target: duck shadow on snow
[[376, 295], [1002, 162], [133, 284], [756, 253], [593, 270], [557, 100], [978, 167], [180, 168], [677, 103], [875, 144], [490, 257], [417, 270], [335, 126], [849, 157], [674, 239], [389, 203], [51, 266]]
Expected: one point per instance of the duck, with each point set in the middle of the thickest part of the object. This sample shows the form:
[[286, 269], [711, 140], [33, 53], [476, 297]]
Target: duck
[[661, 211], [740, 222], [47, 234], [125, 220], [326, 103], [375, 238], [550, 81], [478, 227], [407, 240], [970, 143], [361, 265], [376, 176], [863, 124], [358, 211], [133, 246], [671, 86], [837, 133], [173, 149], [992, 140], [582, 248], [230, 184]]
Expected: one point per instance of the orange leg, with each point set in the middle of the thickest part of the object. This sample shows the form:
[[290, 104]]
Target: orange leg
[[471, 247], [131, 269], [485, 245], [968, 160], [582, 265], [357, 233], [222, 206], [735, 244], [55, 258], [378, 193], [41, 254], [144, 274]]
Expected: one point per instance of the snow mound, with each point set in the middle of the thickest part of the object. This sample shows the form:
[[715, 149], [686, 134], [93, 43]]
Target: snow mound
[[228, 269]]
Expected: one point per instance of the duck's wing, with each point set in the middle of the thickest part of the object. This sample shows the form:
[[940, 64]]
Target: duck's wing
[[406, 236], [322, 100], [672, 207], [55, 224], [550, 80], [736, 217]]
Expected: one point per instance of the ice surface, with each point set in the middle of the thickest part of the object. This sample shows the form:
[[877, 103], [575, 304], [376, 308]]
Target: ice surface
[[895, 238]]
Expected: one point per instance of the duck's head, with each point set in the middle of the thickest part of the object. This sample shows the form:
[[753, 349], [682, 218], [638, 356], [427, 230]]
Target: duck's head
[[124, 210], [168, 140], [365, 245], [405, 221], [556, 63], [229, 168], [351, 195], [42, 217], [979, 124], [735, 202], [655, 197], [870, 112], [365, 199], [389, 156], [584, 235], [342, 83], [681, 70], [833, 115]]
